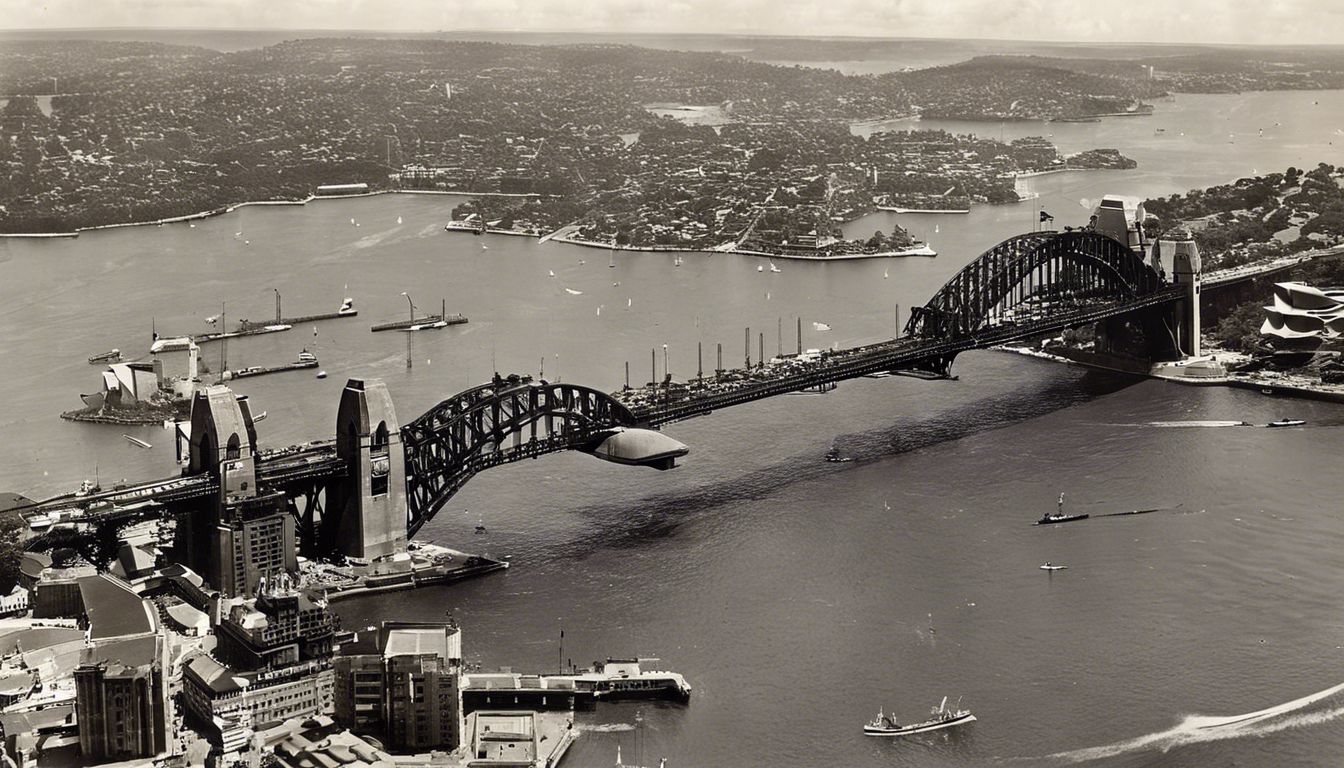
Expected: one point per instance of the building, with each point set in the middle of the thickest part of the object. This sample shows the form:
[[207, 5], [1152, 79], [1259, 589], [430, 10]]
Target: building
[[1302, 312], [56, 593], [242, 535], [125, 384], [403, 685], [121, 695], [272, 661], [255, 538]]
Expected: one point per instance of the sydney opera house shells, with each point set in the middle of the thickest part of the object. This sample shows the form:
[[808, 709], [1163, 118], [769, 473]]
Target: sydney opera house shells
[[1301, 311]]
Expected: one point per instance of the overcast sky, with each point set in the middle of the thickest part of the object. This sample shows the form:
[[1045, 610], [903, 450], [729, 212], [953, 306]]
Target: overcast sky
[[1166, 21]]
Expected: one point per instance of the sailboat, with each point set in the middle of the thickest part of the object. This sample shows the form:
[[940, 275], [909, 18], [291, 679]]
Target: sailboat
[[398, 219], [884, 273], [676, 262], [552, 272], [773, 268], [611, 264], [760, 268]]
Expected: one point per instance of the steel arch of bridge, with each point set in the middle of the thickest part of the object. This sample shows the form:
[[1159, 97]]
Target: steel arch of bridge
[[1031, 276], [505, 420]]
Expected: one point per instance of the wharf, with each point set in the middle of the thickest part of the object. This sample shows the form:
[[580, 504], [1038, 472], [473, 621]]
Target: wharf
[[422, 566], [441, 320], [259, 370], [247, 325], [242, 331]]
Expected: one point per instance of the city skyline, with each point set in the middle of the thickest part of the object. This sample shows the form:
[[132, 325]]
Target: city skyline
[[1286, 22]]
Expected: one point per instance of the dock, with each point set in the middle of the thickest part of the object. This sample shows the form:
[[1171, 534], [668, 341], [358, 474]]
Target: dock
[[347, 310], [262, 370], [269, 328], [424, 323]]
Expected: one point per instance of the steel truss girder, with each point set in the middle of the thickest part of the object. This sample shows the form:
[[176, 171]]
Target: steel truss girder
[[1044, 272], [496, 423]]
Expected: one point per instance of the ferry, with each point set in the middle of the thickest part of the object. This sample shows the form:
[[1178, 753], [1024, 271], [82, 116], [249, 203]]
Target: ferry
[[625, 679], [1287, 423], [939, 717]]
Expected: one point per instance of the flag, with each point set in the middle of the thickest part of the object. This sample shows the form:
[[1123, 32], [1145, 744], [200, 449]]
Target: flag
[[1046, 217]]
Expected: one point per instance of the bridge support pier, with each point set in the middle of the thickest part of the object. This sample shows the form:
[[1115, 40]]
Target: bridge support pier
[[366, 510]]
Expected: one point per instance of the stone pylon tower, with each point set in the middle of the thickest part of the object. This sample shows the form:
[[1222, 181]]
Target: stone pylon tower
[[369, 503]]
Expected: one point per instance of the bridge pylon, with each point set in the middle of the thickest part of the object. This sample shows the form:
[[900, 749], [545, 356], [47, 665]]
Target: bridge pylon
[[366, 509]]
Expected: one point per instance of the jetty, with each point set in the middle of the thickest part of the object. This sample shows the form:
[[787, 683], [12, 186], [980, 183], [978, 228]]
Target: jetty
[[347, 310], [424, 322], [305, 360]]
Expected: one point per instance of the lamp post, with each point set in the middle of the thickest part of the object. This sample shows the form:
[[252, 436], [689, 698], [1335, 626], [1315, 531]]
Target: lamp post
[[408, 301], [667, 377]]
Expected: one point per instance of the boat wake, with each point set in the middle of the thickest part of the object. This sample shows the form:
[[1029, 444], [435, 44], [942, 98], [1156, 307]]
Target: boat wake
[[1198, 424], [1196, 729]]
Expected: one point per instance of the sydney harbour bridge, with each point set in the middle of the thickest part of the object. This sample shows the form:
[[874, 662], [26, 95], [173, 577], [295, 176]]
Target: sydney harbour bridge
[[380, 480]]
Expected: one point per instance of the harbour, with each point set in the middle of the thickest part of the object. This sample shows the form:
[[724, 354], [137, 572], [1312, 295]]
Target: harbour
[[641, 564]]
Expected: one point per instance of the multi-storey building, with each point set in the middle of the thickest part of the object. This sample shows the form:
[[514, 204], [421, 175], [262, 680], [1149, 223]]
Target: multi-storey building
[[403, 685], [272, 661]]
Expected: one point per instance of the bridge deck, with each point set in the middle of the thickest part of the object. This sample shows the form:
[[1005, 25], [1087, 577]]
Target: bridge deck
[[707, 395]]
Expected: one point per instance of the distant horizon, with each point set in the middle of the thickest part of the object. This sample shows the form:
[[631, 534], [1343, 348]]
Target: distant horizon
[[1275, 23], [374, 32]]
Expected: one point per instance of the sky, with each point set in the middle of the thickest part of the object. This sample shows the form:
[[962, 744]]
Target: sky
[[1269, 22]]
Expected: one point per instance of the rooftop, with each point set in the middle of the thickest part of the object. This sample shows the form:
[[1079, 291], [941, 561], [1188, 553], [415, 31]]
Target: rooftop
[[113, 609]]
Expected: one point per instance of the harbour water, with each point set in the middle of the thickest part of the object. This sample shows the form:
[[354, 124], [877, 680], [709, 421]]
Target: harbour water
[[796, 595]]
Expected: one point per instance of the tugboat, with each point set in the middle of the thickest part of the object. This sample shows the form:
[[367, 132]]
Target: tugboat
[[939, 717], [1059, 516]]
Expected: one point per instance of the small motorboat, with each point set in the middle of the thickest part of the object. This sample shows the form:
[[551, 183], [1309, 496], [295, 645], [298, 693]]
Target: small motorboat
[[1049, 566], [1287, 423], [480, 528], [1052, 518], [834, 456], [307, 357], [112, 356], [939, 717], [321, 374], [1059, 516]]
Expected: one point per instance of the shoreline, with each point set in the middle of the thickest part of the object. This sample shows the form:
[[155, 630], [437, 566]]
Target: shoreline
[[235, 206], [913, 252], [1279, 387]]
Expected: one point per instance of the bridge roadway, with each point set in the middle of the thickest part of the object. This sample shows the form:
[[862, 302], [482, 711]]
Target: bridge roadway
[[890, 356], [303, 463]]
